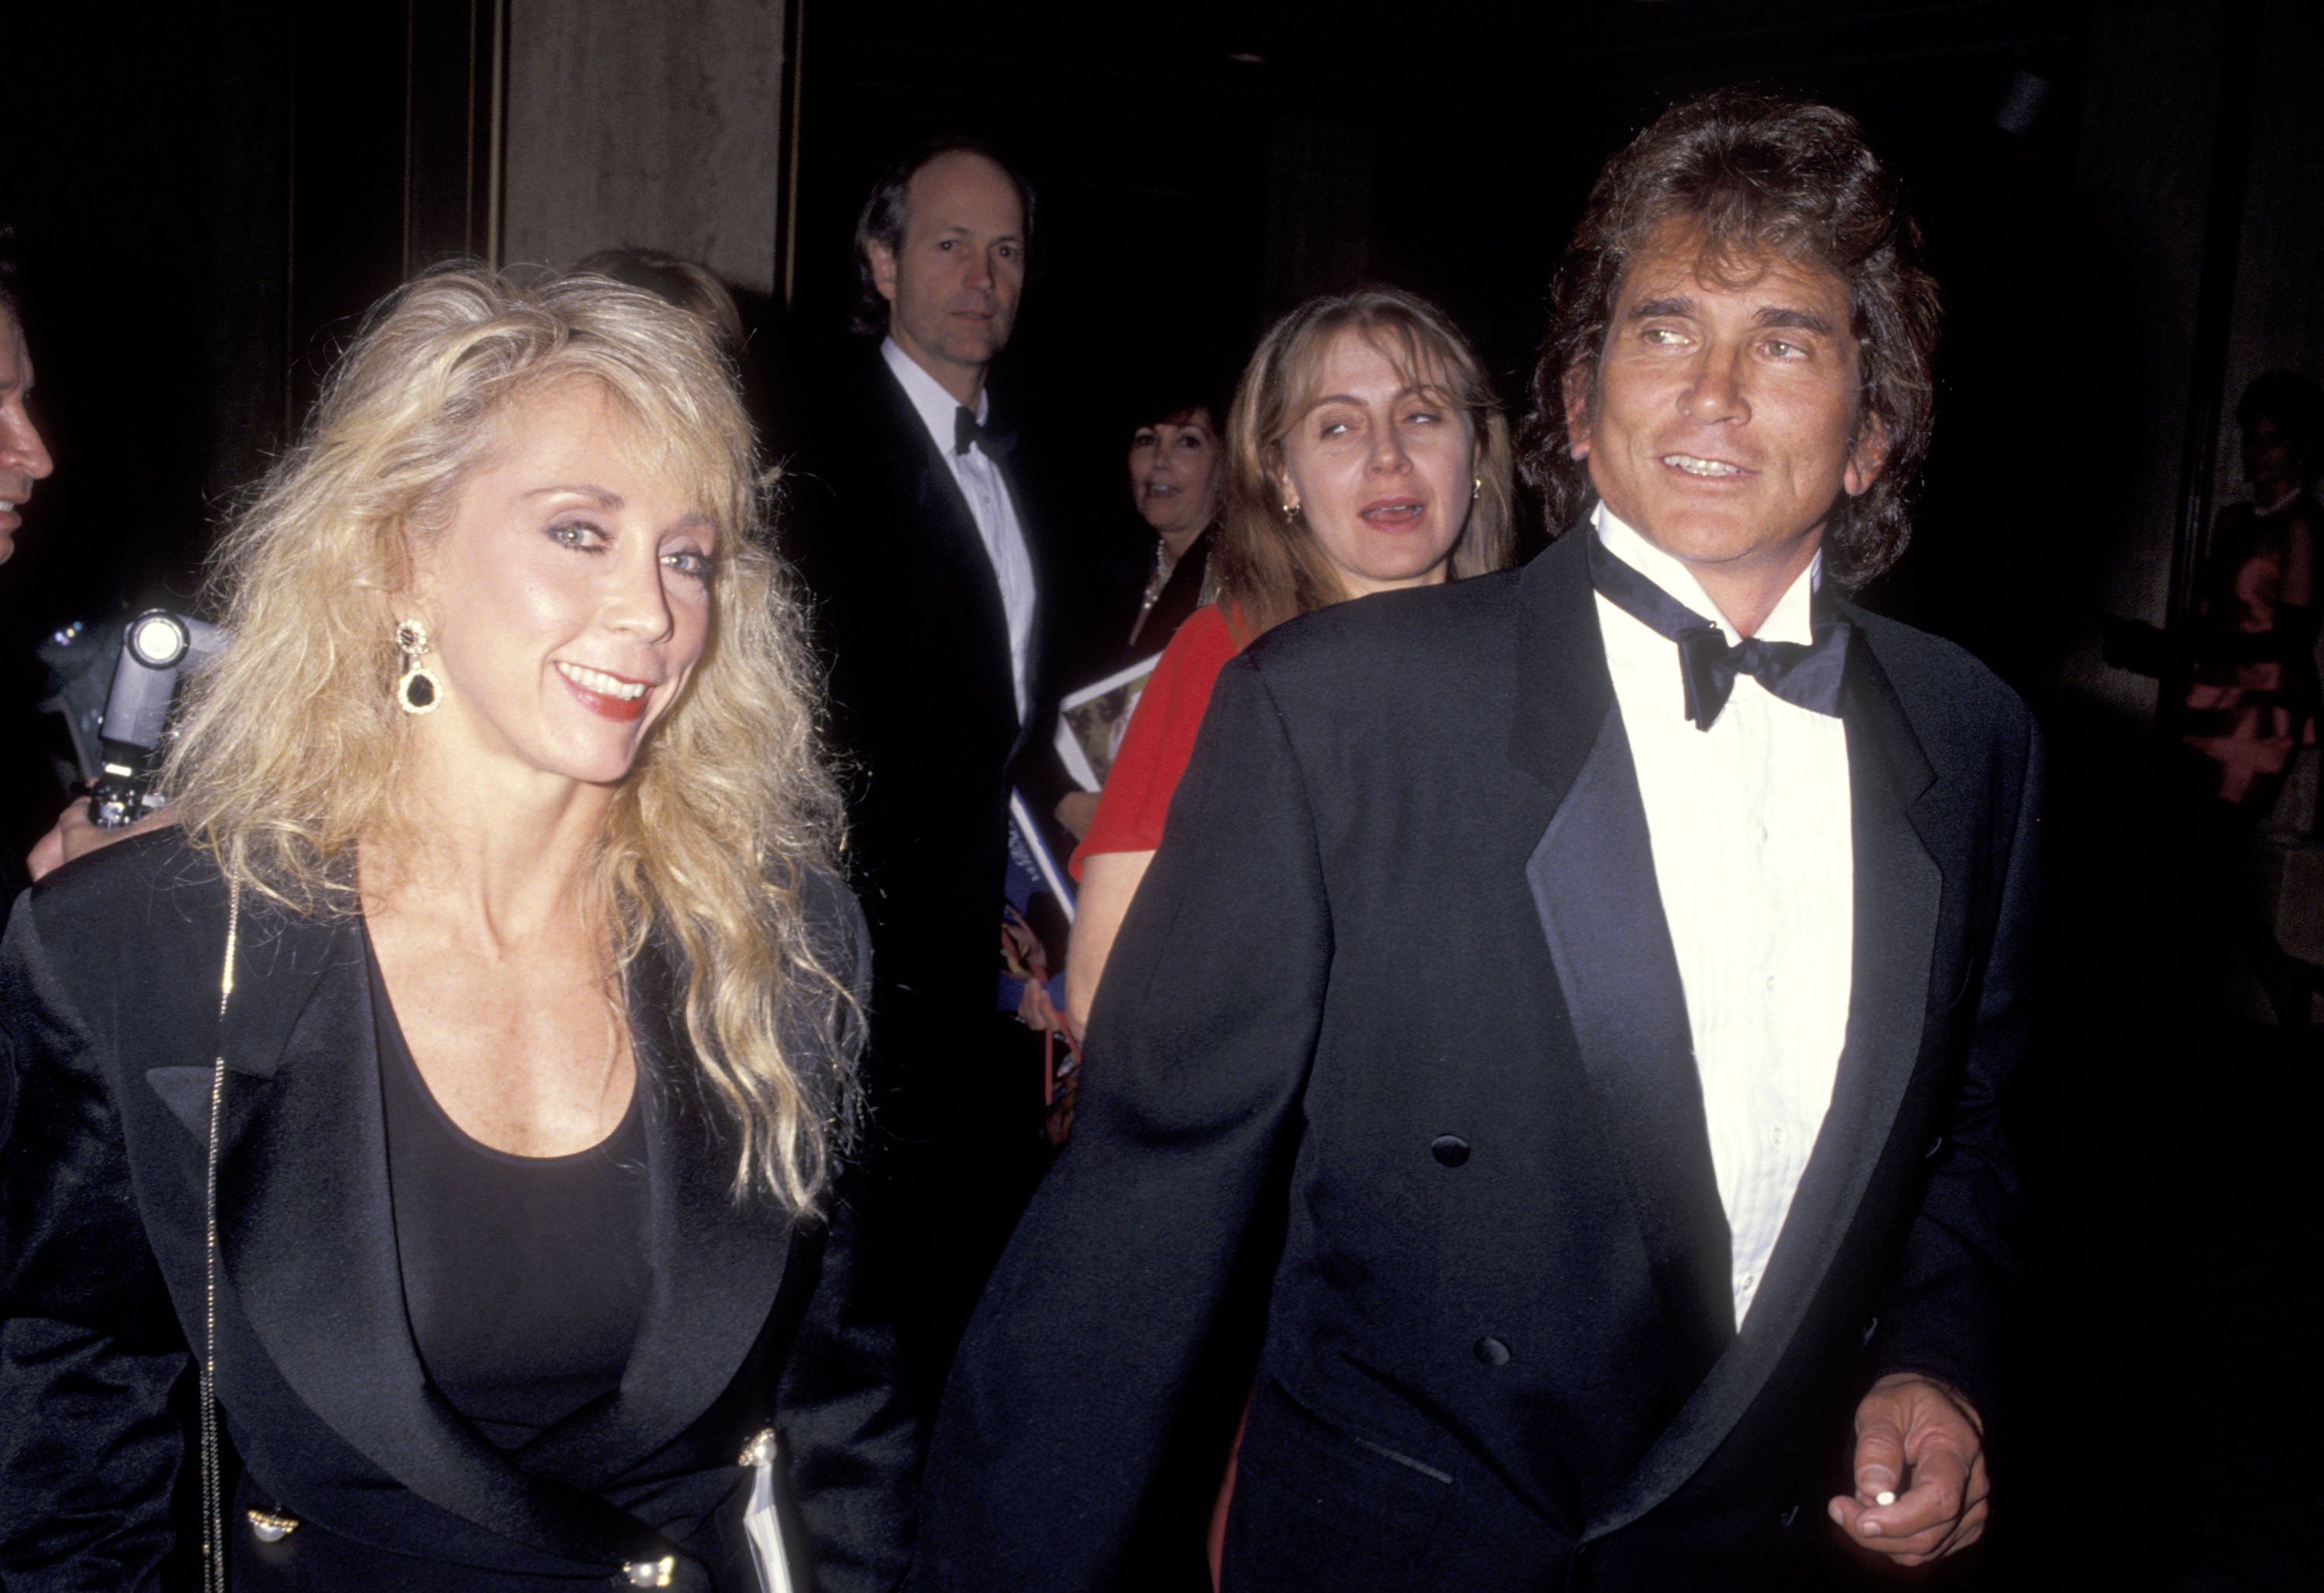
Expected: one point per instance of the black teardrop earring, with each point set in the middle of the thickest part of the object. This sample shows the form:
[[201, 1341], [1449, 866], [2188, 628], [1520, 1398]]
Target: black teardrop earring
[[419, 690]]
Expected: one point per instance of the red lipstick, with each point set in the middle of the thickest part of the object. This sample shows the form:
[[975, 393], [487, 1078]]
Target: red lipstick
[[623, 710]]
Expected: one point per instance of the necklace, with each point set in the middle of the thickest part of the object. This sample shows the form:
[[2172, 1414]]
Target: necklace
[[1157, 580]]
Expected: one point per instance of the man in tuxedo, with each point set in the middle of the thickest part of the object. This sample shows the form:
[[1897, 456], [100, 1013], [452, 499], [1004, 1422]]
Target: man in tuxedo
[[1553, 1065], [924, 573]]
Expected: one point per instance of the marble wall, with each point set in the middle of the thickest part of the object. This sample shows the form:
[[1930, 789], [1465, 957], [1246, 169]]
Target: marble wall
[[652, 125]]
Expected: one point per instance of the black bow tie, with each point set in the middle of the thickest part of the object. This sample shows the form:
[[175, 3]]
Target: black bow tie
[[1807, 677], [965, 431]]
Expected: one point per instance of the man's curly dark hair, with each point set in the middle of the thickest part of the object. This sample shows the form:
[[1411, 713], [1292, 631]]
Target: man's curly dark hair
[[1759, 176]]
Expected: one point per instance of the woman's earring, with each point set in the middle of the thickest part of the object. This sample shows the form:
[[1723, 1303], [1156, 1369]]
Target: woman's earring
[[419, 691], [1290, 512], [1476, 488]]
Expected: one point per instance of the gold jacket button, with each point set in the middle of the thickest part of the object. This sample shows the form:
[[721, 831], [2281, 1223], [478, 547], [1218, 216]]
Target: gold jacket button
[[650, 1573], [271, 1526]]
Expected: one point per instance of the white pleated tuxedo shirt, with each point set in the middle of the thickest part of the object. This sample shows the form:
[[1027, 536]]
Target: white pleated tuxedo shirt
[[1755, 861], [979, 476]]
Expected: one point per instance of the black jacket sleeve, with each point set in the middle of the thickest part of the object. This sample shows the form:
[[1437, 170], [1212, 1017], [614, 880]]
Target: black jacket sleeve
[[90, 1348], [851, 1443], [1066, 1436]]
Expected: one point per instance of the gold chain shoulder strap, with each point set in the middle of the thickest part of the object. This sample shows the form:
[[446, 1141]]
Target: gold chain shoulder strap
[[213, 1507]]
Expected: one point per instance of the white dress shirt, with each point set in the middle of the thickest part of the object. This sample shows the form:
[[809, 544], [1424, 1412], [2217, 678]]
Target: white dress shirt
[[1755, 862], [979, 476]]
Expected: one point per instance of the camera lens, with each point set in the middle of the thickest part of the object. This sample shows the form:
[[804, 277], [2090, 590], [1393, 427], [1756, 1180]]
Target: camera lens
[[158, 640]]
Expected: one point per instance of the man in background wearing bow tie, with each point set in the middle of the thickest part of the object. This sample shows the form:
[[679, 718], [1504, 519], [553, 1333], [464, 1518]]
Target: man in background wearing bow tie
[[1554, 1066], [925, 579]]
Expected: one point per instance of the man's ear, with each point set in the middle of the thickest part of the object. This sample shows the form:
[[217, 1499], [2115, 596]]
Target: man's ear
[[883, 267], [1576, 388], [1867, 458]]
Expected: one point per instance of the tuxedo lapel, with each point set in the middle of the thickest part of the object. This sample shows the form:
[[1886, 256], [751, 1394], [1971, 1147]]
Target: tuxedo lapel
[[1899, 888], [306, 1242], [717, 1262], [1560, 686], [1899, 894], [954, 547], [1592, 879]]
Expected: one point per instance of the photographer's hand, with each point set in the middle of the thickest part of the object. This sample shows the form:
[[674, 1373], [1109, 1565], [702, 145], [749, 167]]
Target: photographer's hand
[[74, 835]]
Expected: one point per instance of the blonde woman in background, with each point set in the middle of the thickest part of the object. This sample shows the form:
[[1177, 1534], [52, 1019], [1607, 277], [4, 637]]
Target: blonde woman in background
[[1366, 452], [513, 1134]]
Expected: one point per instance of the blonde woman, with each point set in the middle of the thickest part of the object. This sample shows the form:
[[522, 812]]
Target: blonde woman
[[470, 1066], [1366, 452]]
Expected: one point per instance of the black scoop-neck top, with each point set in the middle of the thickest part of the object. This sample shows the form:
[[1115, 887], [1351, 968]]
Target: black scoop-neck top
[[524, 1277]]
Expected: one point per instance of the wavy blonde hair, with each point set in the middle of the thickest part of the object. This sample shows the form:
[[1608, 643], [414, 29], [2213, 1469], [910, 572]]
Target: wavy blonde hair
[[1269, 568], [287, 756]]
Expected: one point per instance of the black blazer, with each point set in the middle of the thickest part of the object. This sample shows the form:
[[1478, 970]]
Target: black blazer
[[1391, 1066], [109, 995]]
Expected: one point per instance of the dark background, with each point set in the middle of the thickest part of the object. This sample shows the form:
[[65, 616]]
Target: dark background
[[208, 195], [1203, 169]]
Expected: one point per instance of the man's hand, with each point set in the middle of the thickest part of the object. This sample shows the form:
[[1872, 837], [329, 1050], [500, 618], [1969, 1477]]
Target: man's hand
[[73, 835], [1922, 1442]]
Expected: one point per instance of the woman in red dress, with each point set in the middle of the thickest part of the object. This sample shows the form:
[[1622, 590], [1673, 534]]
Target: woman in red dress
[[1366, 452]]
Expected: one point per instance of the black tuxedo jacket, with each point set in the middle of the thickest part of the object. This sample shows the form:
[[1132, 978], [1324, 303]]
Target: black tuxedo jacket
[[908, 618], [109, 995], [1392, 1058]]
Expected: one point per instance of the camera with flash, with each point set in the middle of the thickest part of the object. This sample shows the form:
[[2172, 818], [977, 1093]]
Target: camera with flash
[[157, 648]]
